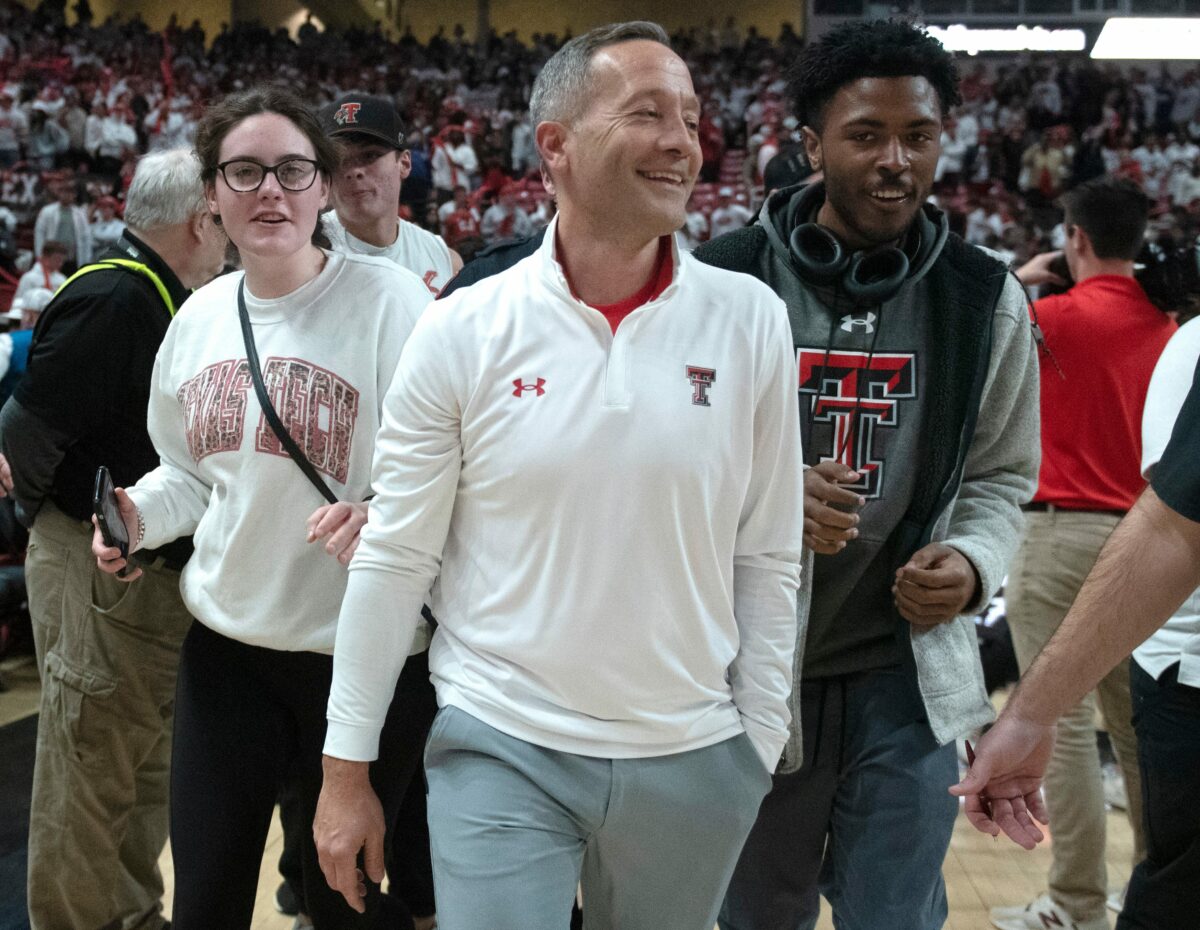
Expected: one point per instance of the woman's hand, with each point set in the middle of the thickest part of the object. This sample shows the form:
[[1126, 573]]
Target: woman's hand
[[339, 526], [109, 558]]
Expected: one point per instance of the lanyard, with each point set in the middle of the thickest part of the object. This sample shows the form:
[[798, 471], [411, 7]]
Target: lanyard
[[130, 265]]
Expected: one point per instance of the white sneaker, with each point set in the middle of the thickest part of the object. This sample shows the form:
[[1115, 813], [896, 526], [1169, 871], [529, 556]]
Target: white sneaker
[[1116, 900], [1042, 914], [1114, 786]]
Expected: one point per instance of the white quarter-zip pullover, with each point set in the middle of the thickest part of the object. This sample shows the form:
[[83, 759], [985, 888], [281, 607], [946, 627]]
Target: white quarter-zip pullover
[[617, 518]]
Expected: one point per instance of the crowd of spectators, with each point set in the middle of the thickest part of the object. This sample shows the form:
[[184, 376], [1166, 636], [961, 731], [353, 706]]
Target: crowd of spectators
[[80, 103]]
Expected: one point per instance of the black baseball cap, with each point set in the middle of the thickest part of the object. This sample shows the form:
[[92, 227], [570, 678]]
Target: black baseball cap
[[364, 115]]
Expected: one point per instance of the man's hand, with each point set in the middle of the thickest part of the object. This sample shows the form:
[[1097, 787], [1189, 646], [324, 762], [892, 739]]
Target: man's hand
[[6, 482], [1037, 271], [936, 585], [339, 525], [1003, 785], [108, 558], [349, 818], [826, 528]]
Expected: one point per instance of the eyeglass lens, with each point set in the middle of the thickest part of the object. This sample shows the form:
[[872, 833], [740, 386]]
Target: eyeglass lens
[[293, 175]]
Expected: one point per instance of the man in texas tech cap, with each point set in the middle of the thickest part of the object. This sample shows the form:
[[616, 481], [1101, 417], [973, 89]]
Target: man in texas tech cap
[[365, 220], [366, 191]]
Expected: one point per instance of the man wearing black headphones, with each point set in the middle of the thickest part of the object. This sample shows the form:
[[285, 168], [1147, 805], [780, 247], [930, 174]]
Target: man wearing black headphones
[[918, 393]]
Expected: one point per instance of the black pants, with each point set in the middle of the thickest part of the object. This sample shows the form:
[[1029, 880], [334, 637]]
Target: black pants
[[249, 721], [1164, 890], [409, 869]]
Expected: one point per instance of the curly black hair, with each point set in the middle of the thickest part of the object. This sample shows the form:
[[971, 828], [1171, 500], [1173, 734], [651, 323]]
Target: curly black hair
[[873, 48]]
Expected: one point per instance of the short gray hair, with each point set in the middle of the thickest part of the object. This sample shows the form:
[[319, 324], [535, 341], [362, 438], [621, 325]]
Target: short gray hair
[[560, 89], [166, 190]]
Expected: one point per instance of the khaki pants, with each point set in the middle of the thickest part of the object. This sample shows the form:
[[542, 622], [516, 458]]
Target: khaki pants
[[1059, 549], [108, 654]]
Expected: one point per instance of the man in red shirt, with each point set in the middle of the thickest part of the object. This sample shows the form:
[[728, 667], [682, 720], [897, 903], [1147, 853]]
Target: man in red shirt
[[1103, 338]]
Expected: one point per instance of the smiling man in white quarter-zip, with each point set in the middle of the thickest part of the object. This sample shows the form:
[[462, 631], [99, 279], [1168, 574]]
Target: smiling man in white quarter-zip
[[598, 450]]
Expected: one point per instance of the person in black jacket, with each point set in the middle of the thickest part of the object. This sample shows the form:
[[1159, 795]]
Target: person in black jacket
[[107, 652]]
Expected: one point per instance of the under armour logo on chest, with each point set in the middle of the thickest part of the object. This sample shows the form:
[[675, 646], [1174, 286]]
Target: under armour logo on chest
[[866, 322], [538, 386]]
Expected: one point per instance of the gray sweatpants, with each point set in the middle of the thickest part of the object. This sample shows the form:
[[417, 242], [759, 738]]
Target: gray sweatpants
[[514, 827]]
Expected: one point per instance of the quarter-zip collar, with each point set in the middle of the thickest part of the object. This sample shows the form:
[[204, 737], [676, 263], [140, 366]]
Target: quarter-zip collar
[[555, 279]]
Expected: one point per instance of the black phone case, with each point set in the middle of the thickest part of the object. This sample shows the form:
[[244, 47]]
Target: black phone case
[[100, 493]]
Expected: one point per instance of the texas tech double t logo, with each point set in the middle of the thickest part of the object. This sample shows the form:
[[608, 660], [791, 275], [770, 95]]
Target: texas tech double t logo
[[856, 392], [702, 379]]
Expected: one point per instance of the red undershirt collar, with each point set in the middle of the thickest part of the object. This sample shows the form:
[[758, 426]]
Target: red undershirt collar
[[659, 280]]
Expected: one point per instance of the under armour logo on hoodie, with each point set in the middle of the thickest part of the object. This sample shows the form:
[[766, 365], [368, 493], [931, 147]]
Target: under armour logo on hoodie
[[866, 323]]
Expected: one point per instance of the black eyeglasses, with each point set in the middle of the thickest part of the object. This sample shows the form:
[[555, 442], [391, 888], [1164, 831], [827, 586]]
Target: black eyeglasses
[[244, 176]]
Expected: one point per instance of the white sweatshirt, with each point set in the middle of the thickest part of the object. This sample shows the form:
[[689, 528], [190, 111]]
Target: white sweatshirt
[[617, 519], [416, 249], [328, 352]]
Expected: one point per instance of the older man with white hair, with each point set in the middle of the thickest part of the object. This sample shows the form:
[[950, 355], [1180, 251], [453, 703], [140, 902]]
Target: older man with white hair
[[108, 652]]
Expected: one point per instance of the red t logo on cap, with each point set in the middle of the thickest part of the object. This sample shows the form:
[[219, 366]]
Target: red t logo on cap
[[347, 113]]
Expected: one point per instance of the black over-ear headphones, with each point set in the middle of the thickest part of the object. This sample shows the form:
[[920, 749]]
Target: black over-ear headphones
[[867, 278]]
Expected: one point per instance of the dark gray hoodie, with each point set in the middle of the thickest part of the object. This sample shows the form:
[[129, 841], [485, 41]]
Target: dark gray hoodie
[[862, 370], [963, 450]]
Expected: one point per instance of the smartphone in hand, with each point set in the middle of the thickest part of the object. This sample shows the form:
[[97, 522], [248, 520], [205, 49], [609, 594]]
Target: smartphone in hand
[[108, 517]]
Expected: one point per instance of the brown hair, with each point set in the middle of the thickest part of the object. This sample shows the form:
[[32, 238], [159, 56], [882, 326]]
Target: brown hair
[[221, 118], [1113, 211]]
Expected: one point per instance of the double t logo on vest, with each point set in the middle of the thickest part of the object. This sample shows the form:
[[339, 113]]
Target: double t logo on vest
[[856, 392]]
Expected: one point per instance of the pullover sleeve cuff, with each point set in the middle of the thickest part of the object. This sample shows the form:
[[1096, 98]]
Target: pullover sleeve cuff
[[352, 743], [983, 562], [767, 742]]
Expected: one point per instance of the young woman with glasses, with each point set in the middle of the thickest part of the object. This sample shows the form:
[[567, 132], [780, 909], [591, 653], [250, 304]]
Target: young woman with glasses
[[269, 569]]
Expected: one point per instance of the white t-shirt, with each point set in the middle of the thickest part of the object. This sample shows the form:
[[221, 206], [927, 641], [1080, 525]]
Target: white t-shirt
[[328, 352], [416, 249], [449, 208], [727, 219], [36, 277], [14, 127], [1178, 640], [453, 166], [105, 233], [502, 222]]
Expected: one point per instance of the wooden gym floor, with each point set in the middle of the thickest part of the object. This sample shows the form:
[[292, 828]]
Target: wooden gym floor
[[981, 873]]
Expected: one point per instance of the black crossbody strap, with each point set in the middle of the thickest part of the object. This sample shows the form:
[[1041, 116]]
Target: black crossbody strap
[[268, 408]]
